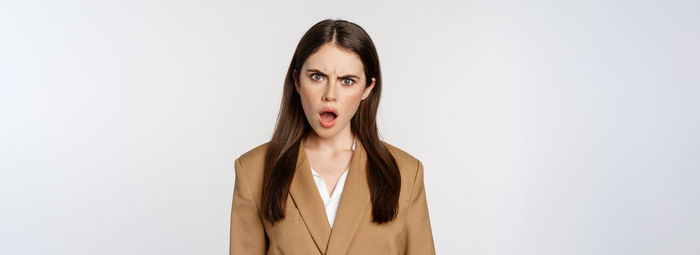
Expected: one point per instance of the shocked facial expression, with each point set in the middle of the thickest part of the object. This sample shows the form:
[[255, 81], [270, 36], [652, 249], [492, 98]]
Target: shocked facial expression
[[331, 84]]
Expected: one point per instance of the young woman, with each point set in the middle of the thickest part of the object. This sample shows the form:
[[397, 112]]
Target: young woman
[[325, 183]]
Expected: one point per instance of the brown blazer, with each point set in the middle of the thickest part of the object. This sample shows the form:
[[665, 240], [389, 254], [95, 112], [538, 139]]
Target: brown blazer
[[305, 229]]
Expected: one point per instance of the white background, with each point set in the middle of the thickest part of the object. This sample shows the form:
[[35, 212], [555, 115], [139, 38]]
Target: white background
[[545, 127]]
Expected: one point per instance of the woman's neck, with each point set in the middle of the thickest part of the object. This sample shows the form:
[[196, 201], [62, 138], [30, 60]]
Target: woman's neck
[[329, 144]]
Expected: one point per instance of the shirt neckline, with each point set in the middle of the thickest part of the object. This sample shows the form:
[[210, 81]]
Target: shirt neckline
[[333, 193], [354, 141]]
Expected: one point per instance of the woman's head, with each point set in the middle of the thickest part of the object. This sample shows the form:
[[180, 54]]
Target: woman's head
[[335, 66], [331, 84]]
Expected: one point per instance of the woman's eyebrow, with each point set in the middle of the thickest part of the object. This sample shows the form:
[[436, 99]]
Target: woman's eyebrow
[[315, 71], [344, 76]]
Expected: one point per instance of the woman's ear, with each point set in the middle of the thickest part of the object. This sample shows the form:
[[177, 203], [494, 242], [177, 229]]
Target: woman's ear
[[368, 89]]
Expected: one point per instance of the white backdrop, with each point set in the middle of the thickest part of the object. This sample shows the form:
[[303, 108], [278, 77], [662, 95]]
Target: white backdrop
[[545, 127]]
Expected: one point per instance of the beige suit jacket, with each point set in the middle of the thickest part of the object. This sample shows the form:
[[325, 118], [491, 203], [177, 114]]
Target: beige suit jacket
[[306, 230]]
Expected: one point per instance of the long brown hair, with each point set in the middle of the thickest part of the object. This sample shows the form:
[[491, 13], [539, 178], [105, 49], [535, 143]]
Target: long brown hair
[[384, 179]]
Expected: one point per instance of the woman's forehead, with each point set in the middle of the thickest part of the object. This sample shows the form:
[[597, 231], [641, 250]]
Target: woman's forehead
[[330, 58]]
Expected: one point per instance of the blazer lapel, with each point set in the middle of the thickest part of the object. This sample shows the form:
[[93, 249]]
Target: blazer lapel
[[352, 205], [309, 201]]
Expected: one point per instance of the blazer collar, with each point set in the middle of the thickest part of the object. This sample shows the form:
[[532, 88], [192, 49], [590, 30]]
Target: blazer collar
[[351, 207]]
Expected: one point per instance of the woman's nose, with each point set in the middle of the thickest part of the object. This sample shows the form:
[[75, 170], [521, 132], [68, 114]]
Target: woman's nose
[[329, 94]]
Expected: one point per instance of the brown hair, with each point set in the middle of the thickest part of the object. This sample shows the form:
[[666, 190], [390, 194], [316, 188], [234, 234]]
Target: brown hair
[[384, 179]]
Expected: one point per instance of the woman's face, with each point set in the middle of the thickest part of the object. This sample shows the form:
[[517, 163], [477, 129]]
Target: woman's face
[[331, 79]]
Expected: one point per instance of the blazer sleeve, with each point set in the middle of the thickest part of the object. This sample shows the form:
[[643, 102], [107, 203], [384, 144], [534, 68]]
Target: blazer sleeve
[[419, 233], [247, 231]]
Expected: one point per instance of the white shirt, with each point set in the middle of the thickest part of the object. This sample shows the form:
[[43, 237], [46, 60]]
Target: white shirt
[[332, 200]]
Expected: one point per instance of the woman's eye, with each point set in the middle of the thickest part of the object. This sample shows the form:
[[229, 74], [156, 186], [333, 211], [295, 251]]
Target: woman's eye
[[316, 77], [348, 81]]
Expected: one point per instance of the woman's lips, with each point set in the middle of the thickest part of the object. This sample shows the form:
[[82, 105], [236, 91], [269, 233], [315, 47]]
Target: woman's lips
[[328, 109], [327, 119], [327, 116]]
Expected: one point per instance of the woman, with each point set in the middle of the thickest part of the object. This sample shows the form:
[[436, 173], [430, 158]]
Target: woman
[[325, 183]]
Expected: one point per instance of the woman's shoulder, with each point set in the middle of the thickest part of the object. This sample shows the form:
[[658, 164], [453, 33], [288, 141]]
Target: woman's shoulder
[[257, 153], [250, 164], [398, 153], [408, 164]]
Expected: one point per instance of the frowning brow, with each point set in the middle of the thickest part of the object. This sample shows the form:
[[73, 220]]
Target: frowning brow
[[342, 76]]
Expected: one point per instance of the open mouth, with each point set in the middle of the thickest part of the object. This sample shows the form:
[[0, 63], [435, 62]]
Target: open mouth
[[328, 116]]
